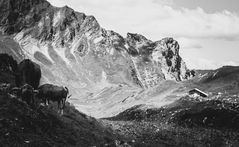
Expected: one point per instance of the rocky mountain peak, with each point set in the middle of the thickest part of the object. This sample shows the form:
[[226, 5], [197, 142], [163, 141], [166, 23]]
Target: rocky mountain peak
[[139, 45], [73, 48], [22, 6], [136, 38], [157, 61], [171, 44], [16, 15]]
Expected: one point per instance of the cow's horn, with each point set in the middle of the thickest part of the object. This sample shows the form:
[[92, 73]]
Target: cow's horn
[[67, 89], [69, 96]]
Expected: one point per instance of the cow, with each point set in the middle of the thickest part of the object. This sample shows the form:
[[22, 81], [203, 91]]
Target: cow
[[54, 93], [26, 93], [15, 92], [4, 88], [28, 72]]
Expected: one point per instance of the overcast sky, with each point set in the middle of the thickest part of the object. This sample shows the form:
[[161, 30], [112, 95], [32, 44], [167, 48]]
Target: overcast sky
[[207, 30]]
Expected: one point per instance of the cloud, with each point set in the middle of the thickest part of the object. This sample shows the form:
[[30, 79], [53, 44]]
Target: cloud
[[187, 43], [164, 2]]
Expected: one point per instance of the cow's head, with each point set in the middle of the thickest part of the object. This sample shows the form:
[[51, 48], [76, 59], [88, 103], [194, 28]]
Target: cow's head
[[27, 87], [15, 90], [67, 91]]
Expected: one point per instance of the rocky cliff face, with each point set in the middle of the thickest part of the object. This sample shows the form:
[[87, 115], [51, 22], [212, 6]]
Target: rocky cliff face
[[156, 61], [74, 50]]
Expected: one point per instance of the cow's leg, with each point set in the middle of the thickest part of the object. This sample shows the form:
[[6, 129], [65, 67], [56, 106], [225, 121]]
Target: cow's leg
[[44, 101], [47, 101], [28, 99], [32, 102], [61, 112], [58, 106], [61, 106], [63, 103]]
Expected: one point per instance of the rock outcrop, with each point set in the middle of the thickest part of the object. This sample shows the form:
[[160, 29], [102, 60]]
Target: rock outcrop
[[156, 61]]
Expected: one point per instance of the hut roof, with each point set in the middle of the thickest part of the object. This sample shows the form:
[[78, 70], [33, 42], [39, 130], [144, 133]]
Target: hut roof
[[199, 91]]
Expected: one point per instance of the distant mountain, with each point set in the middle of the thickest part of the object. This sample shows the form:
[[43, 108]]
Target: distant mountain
[[224, 79], [225, 73]]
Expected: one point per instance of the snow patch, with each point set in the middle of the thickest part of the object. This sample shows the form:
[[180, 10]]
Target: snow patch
[[40, 26], [57, 18], [97, 40], [103, 82], [87, 34], [75, 45], [61, 53], [126, 46], [157, 56], [167, 75], [214, 74], [19, 36], [112, 51], [202, 76]]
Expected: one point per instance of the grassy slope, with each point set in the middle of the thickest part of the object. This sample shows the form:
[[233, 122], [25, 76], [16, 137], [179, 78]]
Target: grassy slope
[[20, 126]]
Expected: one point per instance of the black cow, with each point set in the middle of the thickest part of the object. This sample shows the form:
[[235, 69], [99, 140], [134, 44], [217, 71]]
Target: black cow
[[49, 92], [4, 88], [27, 94], [28, 73]]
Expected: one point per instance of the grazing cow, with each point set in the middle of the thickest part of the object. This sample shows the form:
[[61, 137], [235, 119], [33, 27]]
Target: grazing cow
[[15, 92], [28, 73], [27, 94], [49, 92], [4, 88]]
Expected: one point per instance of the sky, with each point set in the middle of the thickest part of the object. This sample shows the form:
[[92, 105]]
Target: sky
[[207, 30]]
